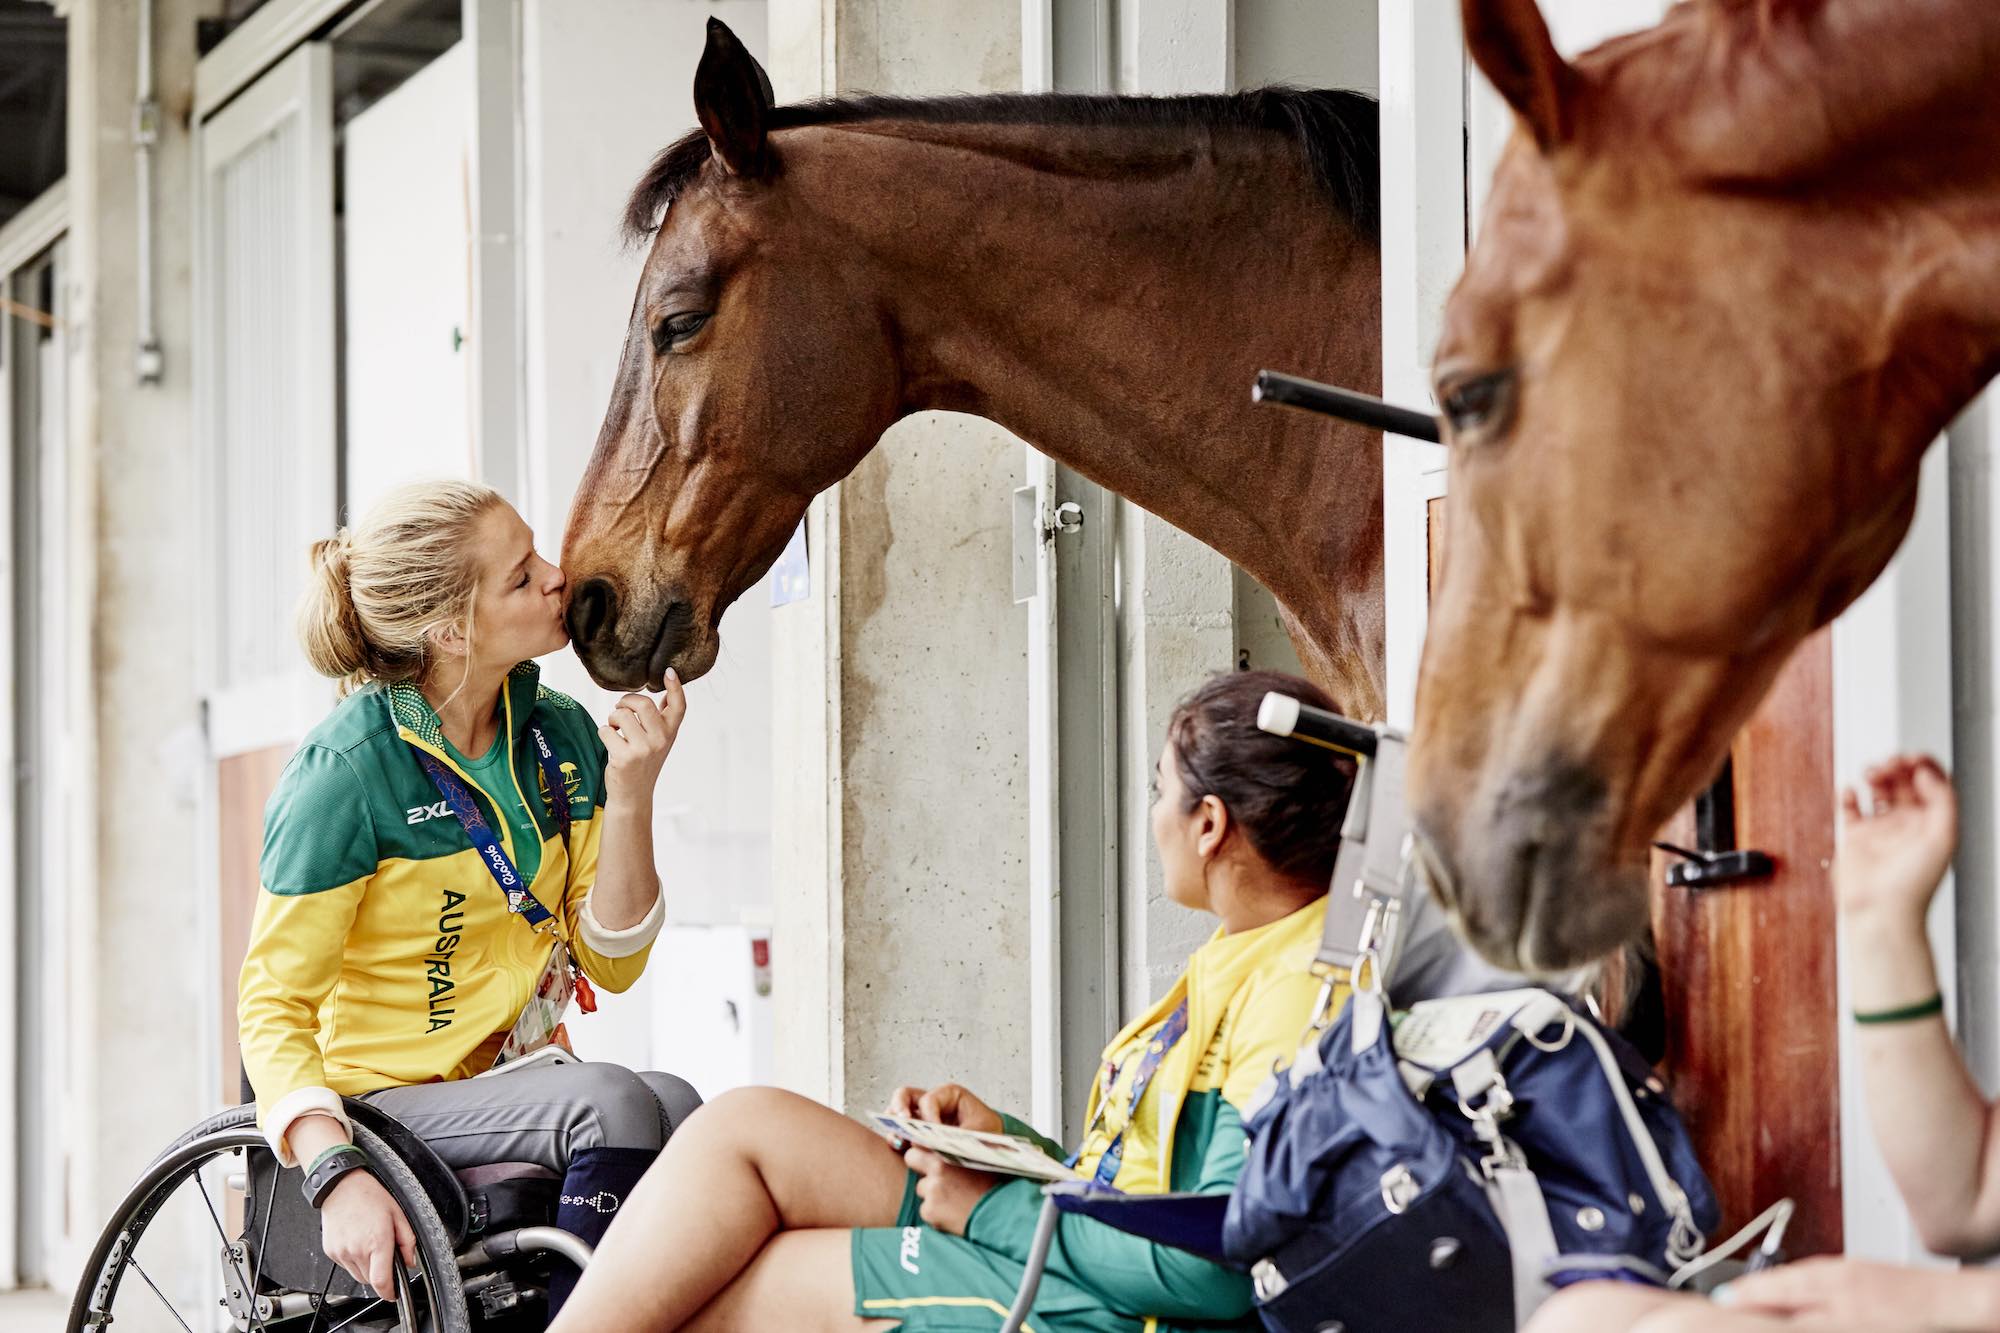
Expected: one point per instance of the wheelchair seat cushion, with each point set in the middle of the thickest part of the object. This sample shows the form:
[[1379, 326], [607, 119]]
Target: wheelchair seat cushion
[[505, 1195]]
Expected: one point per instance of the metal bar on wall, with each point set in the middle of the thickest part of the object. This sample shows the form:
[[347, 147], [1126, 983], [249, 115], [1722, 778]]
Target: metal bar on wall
[[499, 359]]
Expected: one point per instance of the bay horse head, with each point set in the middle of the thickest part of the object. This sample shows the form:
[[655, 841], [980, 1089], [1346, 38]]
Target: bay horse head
[[1735, 273], [1050, 262], [724, 451]]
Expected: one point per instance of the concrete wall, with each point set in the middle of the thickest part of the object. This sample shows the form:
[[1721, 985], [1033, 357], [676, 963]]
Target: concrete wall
[[901, 806], [1311, 43], [1184, 611], [1974, 489], [140, 962]]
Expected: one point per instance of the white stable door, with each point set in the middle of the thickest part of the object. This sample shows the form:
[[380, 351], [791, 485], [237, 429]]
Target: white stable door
[[267, 444]]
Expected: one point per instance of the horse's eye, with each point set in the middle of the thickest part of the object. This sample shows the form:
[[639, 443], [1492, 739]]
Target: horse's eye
[[677, 329], [1476, 401]]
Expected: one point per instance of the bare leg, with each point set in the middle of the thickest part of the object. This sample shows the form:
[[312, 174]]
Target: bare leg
[[1613, 1307], [746, 1166], [801, 1281]]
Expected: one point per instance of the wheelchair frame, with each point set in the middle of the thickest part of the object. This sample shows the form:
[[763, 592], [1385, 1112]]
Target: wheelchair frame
[[471, 1272]]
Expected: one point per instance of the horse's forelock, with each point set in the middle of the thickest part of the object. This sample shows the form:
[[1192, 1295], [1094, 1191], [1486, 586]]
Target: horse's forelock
[[666, 179]]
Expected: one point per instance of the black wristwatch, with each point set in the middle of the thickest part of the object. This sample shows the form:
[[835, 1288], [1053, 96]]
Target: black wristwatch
[[328, 1168]]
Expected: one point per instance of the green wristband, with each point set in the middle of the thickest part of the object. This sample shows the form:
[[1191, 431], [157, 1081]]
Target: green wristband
[[1908, 1013], [330, 1153]]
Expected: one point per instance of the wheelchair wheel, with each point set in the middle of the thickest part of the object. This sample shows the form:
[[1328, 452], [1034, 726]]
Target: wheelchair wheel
[[176, 1254]]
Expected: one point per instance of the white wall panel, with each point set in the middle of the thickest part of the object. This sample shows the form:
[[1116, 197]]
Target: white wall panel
[[405, 284]]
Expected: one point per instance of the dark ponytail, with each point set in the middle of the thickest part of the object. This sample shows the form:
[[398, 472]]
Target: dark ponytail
[[1288, 798]]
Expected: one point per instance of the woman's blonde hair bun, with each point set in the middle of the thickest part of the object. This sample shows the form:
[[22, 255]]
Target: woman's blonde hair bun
[[378, 589]]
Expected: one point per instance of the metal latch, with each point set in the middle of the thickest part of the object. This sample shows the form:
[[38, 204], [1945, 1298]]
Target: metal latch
[[1713, 870], [1035, 525]]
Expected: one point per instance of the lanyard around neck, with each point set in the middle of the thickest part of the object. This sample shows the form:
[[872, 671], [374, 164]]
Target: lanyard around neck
[[1163, 1040], [479, 832]]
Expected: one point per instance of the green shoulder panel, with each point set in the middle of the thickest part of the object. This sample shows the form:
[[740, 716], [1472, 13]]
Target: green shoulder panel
[[556, 699], [573, 733], [319, 832], [355, 795]]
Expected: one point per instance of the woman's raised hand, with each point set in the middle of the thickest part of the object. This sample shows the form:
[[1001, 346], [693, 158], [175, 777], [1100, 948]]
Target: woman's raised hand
[[638, 736], [1893, 854]]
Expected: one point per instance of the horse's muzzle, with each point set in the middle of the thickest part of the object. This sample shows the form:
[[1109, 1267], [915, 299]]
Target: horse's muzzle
[[1532, 878]]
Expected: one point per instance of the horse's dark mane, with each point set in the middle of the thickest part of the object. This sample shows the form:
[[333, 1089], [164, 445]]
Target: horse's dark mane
[[1336, 133]]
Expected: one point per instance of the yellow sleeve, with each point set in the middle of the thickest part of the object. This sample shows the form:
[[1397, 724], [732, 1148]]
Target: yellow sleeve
[[319, 854], [296, 946]]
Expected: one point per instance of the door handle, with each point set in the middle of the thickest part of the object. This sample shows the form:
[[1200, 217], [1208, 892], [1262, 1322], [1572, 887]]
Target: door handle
[[1713, 870]]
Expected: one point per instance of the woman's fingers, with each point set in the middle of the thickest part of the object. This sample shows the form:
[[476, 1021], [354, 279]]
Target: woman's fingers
[[650, 725], [1881, 788], [673, 701], [406, 1239], [903, 1101], [636, 713], [1900, 782], [380, 1277], [1930, 784]]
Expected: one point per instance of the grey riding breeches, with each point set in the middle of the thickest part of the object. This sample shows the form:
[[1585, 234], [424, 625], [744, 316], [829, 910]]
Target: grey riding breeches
[[545, 1115]]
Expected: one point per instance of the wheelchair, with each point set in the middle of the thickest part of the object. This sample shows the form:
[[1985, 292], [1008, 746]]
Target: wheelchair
[[234, 1246]]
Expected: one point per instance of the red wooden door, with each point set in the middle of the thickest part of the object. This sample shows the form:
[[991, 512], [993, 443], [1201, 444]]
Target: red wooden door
[[243, 783], [1748, 973]]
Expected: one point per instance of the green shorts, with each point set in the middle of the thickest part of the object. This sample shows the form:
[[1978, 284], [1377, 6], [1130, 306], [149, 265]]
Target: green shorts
[[939, 1283]]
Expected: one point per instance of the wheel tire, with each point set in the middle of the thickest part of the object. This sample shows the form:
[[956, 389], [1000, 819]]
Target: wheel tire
[[237, 1128]]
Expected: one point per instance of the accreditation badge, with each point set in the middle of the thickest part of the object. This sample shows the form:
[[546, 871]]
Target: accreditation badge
[[541, 1018]]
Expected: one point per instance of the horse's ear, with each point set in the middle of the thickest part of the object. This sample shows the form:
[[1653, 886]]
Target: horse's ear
[[732, 99], [1511, 45]]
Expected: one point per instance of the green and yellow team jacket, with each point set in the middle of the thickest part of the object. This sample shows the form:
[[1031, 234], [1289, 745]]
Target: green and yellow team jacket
[[1250, 997], [382, 952]]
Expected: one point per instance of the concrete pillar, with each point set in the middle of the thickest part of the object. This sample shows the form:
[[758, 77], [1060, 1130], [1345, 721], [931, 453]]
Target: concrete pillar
[[900, 939], [1177, 602], [138, 950], [1185, 611]]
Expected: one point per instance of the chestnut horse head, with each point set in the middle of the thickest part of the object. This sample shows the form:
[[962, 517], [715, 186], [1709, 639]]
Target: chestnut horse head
[[1735, 273], [1049, 262]]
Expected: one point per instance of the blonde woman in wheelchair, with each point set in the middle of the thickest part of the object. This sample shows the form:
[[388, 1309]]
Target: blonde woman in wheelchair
[[452, 840]]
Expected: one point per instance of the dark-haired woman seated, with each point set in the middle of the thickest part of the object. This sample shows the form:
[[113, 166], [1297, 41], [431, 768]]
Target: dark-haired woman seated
[[769, 1211]]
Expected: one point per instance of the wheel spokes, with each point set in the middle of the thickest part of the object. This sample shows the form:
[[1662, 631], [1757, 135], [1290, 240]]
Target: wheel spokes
[[229, 1250], [319, 1306], [133, 1262], [357, 1314], [264, 1238]]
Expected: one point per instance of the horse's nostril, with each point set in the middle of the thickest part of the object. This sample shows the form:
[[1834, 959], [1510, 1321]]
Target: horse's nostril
[[592, 609]]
